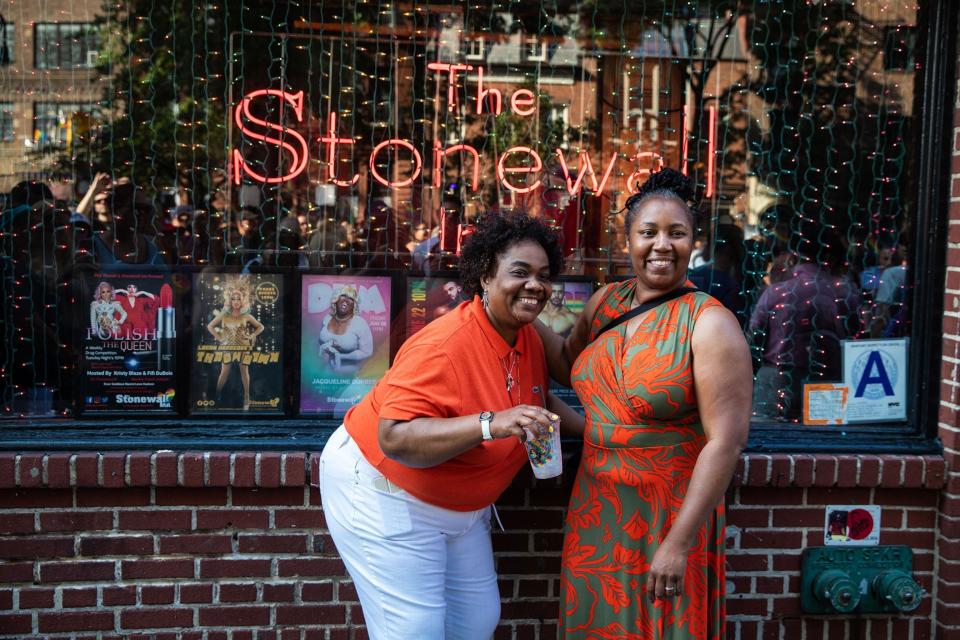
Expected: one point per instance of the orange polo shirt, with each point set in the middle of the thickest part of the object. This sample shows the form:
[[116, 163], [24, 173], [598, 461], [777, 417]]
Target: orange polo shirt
[[454, 367]]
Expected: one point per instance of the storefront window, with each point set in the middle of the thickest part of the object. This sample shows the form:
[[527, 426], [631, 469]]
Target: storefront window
[[287, 146]]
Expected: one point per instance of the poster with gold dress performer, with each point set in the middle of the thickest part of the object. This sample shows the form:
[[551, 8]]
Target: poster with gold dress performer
[[238, 357]]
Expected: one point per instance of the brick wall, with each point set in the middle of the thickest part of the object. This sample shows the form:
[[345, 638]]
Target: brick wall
[[948, 540], [219, 546]]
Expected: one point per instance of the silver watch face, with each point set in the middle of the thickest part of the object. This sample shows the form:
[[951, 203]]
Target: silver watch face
[[486, 415]]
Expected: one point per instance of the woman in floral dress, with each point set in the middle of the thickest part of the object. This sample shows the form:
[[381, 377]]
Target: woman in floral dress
[[667, 402]]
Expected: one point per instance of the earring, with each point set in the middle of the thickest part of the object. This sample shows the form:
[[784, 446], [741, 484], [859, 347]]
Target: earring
[[485, 300]]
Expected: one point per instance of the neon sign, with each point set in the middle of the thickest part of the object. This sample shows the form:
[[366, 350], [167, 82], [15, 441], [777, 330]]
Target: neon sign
[[522, 102]]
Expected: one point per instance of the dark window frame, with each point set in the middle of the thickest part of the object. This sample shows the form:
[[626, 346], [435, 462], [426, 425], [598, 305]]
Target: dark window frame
[[9, 37]]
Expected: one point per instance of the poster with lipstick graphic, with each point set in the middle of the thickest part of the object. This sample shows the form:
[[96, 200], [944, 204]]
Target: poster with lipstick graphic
[[129, 343], [237, 362], [345, 340]]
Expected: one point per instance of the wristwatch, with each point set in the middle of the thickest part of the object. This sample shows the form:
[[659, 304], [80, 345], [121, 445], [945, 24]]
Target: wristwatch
[[485, 419]]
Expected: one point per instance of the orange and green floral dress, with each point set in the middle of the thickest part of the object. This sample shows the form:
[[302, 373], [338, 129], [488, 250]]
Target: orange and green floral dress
[[642, 439]]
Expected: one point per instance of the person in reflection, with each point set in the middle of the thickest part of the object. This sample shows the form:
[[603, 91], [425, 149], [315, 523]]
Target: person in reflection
[[667, 401], [798, 324], [408, 481]]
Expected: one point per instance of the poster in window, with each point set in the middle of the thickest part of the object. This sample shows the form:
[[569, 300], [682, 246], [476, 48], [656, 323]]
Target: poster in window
[[430, 298], [568, 296], [344, 340], [129, 343], [238, 337]]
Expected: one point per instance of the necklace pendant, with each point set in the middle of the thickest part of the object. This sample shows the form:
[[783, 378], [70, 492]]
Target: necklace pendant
[[509, 381]]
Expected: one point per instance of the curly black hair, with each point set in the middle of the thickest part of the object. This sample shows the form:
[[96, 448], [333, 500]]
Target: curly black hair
[[669, 184], [493, 235]]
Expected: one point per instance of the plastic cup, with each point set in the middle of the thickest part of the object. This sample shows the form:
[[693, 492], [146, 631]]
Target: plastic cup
[[544, 453]]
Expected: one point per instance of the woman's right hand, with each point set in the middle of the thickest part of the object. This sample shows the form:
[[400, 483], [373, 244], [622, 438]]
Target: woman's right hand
[[516, 421]]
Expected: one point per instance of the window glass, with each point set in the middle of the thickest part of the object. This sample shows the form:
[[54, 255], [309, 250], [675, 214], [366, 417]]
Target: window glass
[[8, 43], [284, 145], [6, 122]]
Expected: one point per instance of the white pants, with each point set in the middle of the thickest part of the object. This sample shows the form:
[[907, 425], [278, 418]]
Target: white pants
[[421, 571]]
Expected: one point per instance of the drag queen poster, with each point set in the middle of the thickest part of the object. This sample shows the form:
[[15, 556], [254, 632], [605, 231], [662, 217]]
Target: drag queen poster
[[237, 334], [345, 340], [129, 343]]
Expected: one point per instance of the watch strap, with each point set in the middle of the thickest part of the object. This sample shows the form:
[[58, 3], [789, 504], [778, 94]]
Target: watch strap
[[485, 419]]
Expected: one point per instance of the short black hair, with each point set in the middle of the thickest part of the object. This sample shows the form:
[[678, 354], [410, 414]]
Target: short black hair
[[669, 184], [493, 235]]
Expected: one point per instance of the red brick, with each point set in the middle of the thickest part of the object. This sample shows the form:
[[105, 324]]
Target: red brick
[[191, 465], [116, 545], [112, 465], [803, 467], [780, 475], [798, 517], [31, 548], [139, 467], [31, 471], [749, 517], [913, 472], [917, 519], [34, 498], [6, 599], [166, 465], [218, 469], [75, 520], [314, 592], [770, 539], [748, 562], [87, 466], [892, 471], [869, 471], [8, 467], [764, 496], [72, 598], [838, 495], [36, 598], [319, 567], [786, 562], [294, 472], [195, 544], [906, 498], [891, 518], [287, 496], [129, 497], [16, 623], [825, 471], [273, 544], [75, 621], [286, 592], [234, 568], [757, 467], [950, 527], [231, 592], [299, 519], [58, 470], [233, 519], [199, 593], [77, 571], [234, 616], [176, 496], [847, 471], [113, 596], [156, 618], [146, 569], [935, 472], [244, 470], [269, 470], [17, 523], [314, 614], [533, 588], [157, 520]]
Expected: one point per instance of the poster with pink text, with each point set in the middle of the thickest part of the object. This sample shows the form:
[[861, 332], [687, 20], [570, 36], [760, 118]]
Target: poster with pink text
[[129, 343], [344, 340]]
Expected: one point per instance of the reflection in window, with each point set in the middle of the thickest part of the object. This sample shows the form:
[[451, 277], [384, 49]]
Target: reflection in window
[[534, 50], [898, 44], [54, 123], [65, 46], [473, 48], [8, 42], [6, 122]]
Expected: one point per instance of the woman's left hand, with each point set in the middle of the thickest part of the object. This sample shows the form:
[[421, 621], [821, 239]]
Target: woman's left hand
[[665, 578]]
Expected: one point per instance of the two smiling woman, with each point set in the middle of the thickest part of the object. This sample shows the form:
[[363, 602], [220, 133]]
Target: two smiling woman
[[408, 481]]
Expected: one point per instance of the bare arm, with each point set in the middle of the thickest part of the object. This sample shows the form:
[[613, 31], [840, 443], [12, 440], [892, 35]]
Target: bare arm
[[213, 324], [571, 422], [427, 442], [562, 352], [257, 326], [723, 382], [99, 183]]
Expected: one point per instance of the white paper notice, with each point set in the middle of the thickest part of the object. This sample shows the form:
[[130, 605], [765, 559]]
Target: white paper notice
[[824, 404]]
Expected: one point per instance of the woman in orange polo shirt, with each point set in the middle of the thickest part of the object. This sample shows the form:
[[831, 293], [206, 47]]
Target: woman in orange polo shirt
[[409, 479]]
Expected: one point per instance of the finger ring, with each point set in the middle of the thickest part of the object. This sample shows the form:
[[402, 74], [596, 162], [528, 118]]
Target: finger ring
[[670, 590]]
